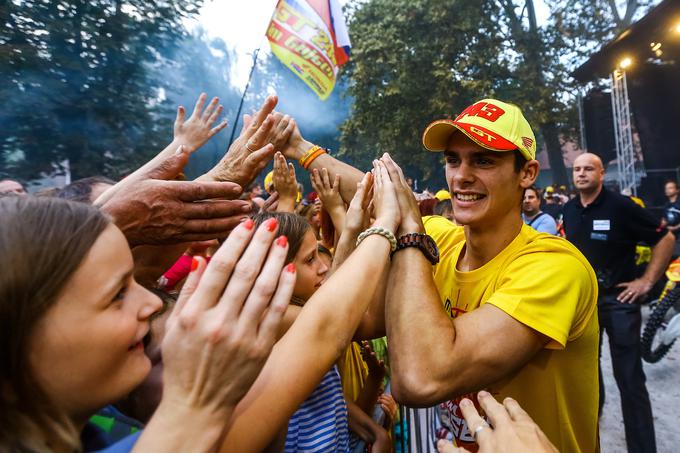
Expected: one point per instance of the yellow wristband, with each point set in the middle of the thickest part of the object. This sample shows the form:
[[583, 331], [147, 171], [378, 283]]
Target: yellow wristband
[[313, 152]]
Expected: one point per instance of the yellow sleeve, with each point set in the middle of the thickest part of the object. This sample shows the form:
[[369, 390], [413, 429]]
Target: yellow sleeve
[[551, 292], [444, 232]]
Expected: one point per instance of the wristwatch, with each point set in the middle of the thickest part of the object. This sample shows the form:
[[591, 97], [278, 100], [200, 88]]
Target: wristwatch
[[422, 242]]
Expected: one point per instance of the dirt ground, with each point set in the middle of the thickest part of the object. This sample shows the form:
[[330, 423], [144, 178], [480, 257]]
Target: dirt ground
[[663, 384]]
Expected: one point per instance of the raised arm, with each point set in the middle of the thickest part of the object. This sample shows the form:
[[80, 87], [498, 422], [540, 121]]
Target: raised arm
[[190, 134], [350, 176], [320, 334]]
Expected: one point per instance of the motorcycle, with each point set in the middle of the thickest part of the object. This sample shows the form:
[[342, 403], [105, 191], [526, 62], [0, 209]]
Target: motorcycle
[[663, 325]]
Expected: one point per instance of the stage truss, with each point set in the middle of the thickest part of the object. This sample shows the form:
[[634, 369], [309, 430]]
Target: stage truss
[[623, 131]]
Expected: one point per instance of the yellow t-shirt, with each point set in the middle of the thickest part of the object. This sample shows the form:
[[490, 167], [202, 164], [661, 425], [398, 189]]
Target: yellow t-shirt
[[544, 282], [353, 371]]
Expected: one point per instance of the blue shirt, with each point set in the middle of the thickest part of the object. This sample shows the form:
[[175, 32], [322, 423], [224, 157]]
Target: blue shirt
[[543, 223]]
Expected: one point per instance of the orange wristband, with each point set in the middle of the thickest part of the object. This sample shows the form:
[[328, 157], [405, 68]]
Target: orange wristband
[[309, 157]]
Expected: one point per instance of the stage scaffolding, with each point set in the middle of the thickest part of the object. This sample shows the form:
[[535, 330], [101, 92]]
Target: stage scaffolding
[[623, 132]]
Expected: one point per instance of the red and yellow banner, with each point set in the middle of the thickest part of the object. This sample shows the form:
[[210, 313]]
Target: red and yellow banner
[[302, 35]]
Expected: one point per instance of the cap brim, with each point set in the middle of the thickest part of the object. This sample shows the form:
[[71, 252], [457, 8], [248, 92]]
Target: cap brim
[[438, 133]]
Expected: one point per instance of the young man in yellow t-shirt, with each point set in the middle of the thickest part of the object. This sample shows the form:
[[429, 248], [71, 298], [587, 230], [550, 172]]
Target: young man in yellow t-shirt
[[519, 316], [506, 309]]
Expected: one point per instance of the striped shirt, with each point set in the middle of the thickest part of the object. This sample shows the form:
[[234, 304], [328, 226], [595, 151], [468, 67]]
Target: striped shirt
[[320, 424]]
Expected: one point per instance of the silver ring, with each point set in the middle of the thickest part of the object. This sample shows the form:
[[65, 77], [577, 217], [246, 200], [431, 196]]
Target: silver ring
[[479, 428]]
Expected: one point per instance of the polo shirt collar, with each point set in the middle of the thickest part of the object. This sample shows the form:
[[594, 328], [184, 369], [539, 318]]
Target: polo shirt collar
[[596, 202]]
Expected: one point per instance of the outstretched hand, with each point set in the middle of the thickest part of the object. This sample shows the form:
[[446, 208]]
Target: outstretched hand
[[329, 192], [150, 208], [358, 217], [198, 129], [225, 322], [285, 183], [262, 133], [513, 430]]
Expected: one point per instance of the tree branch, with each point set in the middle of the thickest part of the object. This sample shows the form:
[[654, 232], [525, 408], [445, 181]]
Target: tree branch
[[631, 7], [615, 12]]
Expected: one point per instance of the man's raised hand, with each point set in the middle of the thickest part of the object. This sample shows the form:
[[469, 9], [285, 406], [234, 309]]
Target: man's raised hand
[[261, 136], [151, 210]]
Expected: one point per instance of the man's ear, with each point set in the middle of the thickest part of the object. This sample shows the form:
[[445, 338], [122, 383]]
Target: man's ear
[[529, 173]]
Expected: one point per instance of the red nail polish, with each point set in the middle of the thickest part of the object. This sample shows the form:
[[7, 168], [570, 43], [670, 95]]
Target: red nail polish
[[282, 241], [290, 268], [194, 264], [271, 224], [248, 223]]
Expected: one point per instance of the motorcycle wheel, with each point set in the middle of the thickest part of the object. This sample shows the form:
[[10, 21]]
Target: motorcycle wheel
[[650, 352]]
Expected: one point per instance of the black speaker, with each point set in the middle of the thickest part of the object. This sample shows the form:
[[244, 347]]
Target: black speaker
[[599, 124]]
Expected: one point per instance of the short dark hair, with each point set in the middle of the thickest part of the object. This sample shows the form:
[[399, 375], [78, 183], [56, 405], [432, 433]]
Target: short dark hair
[[675, 183], [520, 160], [81, 189], [536, 190]]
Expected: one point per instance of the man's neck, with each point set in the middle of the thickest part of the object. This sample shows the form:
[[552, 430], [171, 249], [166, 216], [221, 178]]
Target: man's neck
[[482, 244], [587, 197], [531, 217], [673, 199]]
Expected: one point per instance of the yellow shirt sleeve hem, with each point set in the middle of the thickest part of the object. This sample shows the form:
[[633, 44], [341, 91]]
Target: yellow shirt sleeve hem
[[558, 338]]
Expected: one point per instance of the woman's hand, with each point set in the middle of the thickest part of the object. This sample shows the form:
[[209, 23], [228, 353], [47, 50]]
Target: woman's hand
[[513, 430], [385, 202], [357, 214], [197, 130], [411, 221], [329, 193], [285, 183], [225, 322]]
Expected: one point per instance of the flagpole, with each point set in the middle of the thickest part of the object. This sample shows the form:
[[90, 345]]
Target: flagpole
[[245, 90]]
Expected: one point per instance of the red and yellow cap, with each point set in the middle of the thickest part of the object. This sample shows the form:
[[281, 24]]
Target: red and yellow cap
[[490, 123]]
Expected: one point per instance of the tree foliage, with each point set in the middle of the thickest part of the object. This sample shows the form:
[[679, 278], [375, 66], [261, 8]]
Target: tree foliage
[[414, 61], [76, 83]]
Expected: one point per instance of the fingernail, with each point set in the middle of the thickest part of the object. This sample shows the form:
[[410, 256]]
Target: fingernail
[[483, 394], [249, 224], [271, 224], [282, 241], [465, 402], [290, 268], [246, 208], [194, 264]]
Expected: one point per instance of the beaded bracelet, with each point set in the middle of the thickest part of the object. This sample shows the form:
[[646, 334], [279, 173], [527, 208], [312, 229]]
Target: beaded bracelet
[[313, 152], [382, 232]]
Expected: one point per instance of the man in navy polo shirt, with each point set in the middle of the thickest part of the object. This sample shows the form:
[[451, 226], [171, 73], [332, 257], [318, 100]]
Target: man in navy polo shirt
[[606, 226]]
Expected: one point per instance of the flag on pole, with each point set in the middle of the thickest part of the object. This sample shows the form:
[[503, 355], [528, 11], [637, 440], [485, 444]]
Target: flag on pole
[[310, 37]]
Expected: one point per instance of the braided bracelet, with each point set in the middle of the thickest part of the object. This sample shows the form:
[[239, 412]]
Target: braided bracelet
[[382, 232]]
